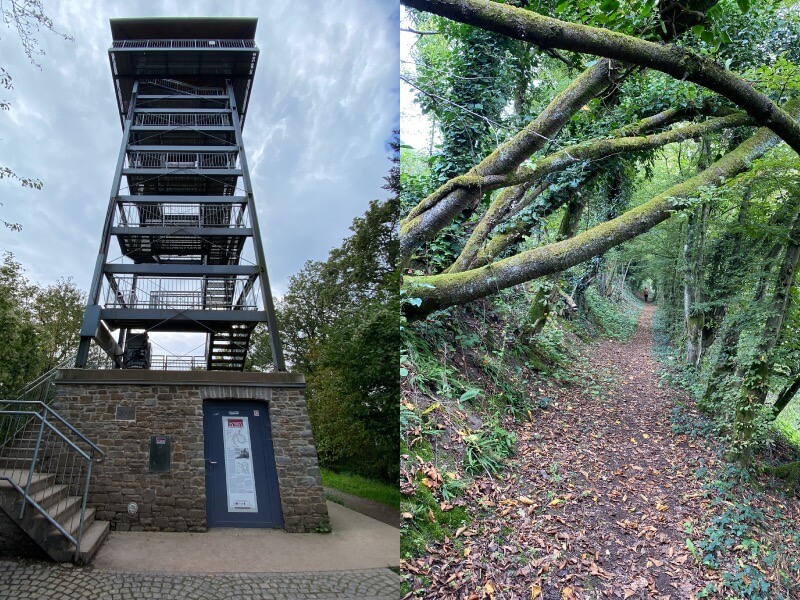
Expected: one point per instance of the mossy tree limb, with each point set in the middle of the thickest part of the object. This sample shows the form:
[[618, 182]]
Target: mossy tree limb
[[586, 151], [543, 302], [417, 229], [678, 62], [785, 396], [440, 291]]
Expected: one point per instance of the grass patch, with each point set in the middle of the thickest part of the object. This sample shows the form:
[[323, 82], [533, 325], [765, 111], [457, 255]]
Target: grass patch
[[379, 491]]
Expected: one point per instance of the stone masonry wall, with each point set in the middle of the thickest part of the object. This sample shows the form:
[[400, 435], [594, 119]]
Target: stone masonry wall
[[171, 404], [173, 501], [302, 495]]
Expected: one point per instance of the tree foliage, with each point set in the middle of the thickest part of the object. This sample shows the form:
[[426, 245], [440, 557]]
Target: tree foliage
[[663, 151], [39, 325], [339, 323]]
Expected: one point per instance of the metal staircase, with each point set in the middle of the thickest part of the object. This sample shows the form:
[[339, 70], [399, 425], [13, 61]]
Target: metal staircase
[[181, 208], [45, 470], [227, 350]]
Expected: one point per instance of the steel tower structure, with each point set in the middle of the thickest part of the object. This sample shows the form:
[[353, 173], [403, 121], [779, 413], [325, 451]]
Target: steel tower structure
[[181, 207]]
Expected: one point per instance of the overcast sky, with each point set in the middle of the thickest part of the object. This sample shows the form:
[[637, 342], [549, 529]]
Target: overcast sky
[[324, 103]]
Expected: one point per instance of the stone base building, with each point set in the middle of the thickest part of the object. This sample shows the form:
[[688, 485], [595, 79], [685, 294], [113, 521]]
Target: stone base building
[[153, 429]]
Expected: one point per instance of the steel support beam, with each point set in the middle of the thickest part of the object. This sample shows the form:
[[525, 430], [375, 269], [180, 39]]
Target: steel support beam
[[184, 199], [266, 292], [166, 231], [97, 276], [183, 270]]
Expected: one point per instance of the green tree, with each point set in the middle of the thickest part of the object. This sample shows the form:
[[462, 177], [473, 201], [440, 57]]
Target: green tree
[[22, 358], [340, 325], [58, 311]]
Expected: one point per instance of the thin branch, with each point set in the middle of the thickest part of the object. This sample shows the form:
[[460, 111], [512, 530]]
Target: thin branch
[[410, 30], [442, 99]]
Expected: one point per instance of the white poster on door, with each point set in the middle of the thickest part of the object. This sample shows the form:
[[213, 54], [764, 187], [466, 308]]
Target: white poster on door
[[239, 475]]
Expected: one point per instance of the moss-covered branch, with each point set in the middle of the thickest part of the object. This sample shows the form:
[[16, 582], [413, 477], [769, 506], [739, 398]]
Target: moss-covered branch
[[585, 151], [439, 211], [441, 291], [681, 63]]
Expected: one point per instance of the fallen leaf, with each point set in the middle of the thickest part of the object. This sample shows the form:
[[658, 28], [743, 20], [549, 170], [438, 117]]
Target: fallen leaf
[[525, 500], [555, 502], [567, 594], [407, 515]]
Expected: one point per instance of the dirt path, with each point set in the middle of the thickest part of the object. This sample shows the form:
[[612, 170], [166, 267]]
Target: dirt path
[[596, 503]]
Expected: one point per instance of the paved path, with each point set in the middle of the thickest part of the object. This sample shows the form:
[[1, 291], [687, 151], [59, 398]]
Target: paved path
[[376, 510], [38, 581], [356, 543], [224, 564]]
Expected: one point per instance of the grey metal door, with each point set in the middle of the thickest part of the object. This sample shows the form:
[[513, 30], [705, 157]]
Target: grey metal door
[[241, 479]]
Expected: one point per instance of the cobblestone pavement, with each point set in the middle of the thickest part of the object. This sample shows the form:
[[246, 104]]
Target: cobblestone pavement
[[27, 580]]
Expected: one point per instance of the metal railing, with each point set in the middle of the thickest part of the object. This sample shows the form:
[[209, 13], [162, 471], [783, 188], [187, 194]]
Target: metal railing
[[181, 215], [182, 160], [169, 362], [182, 293], [39, 441], [182, 119], [184, 44]]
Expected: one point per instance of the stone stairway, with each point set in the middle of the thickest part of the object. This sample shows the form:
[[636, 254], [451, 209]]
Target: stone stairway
[[56, 500]]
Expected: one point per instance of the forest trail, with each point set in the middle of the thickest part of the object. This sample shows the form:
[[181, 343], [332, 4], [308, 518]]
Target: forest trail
[[595, 503]]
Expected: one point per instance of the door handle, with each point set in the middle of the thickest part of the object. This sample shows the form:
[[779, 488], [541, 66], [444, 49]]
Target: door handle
[[211, 462]]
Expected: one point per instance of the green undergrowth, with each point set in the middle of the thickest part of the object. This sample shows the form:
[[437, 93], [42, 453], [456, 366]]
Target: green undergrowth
[[744, 540], [785, 430], [372, 489], [616, 320]]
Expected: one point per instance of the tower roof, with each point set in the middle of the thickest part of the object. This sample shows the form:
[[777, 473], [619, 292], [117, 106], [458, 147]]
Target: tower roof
[[138, 28]]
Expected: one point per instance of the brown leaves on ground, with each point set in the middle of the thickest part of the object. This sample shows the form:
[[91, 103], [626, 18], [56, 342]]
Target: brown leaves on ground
[[595, 504]]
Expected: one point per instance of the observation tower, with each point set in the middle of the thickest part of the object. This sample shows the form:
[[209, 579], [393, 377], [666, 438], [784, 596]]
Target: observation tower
[[181, 247]]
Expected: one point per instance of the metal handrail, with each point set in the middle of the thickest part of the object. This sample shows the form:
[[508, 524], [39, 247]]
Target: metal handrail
[[89, 458], [184, 43], [70, 360], [45, 381], [50, 411]]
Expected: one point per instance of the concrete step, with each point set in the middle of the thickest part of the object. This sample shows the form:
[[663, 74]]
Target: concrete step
[[94, 534], [50, 495], [39, 481], [74, 522], [93, 537]]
